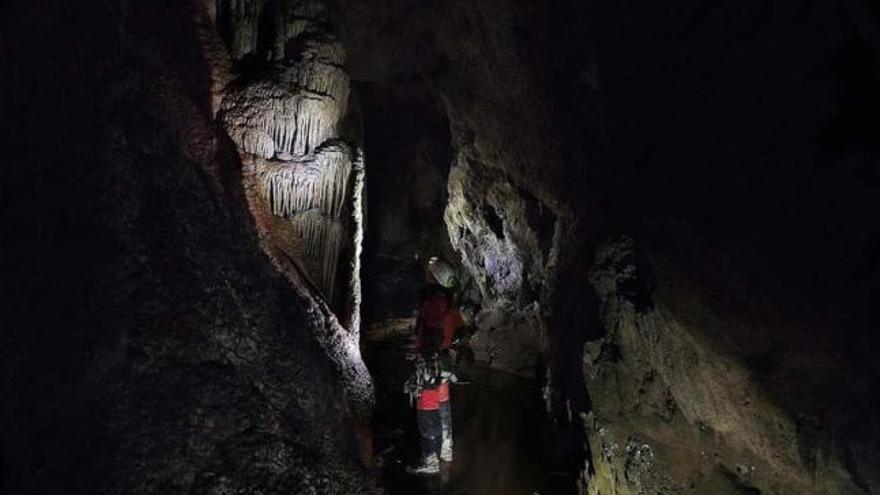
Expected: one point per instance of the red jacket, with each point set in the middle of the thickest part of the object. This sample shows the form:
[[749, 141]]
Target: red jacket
[[437, 323]]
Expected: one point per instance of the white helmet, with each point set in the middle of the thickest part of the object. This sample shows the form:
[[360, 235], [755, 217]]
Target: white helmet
[[442, 272]]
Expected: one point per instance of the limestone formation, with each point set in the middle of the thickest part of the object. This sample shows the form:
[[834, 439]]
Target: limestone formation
[[508, 253], [289, 118], [672, 412], [154, 347], [305, 184]]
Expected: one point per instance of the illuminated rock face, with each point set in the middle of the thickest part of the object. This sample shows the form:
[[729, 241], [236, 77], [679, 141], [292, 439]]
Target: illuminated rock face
[[675, 408], [160, 327], [486, 218], [285, 122], [313, 194], [304, 183], [290, 115]]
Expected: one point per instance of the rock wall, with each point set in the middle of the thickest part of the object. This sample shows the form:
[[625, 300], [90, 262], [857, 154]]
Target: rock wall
[[737, 155], [504, 255], [733, 353], [678, 409], [149, 345], [284, 105], [512, 189]]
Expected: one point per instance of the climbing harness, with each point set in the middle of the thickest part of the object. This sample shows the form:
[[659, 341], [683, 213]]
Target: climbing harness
[[428, 374]]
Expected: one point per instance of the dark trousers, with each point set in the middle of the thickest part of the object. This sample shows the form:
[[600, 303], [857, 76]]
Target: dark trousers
[[430, 431]]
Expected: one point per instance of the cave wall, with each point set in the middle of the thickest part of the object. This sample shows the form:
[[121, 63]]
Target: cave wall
[[682, 402], [516, 190], [149, 345], [745, 130], [729, 347], [284, 101]]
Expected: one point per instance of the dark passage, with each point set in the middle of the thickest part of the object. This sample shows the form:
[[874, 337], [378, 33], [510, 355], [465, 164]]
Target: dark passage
[[406, 137], [503, 440]]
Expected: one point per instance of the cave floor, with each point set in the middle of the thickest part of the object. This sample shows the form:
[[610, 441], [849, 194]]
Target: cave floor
[[503, 442]]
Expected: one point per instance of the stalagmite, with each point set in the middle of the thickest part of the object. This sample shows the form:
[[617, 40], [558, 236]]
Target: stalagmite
[[357, 216]]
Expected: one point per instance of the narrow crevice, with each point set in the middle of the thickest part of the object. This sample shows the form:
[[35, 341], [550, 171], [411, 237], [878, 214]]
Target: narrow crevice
[[493, 220]]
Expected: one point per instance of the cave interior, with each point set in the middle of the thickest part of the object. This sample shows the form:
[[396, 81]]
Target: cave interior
[[216, 217]]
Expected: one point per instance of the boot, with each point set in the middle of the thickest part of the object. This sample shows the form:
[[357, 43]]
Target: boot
[[430, 465]]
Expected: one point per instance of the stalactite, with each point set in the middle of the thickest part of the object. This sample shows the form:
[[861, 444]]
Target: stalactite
[[311, 193], [297, 120], [296, 20], [291, 119], [323, 239], [303, 21], [317, 182]]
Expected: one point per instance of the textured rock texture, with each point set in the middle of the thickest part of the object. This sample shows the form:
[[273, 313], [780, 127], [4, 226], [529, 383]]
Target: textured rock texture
[[738, 155], [149, 345], [675, 411], [283, 110], [504, 255]]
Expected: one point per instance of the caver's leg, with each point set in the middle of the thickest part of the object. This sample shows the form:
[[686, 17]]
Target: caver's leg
[[446, 430], [430, 433]]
